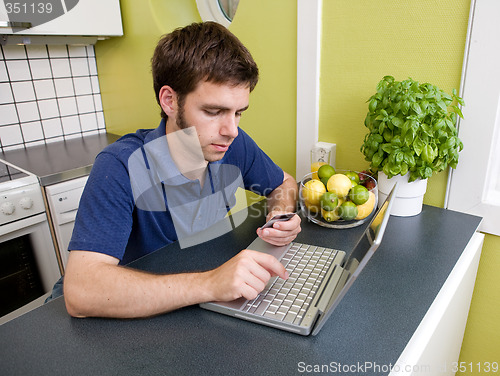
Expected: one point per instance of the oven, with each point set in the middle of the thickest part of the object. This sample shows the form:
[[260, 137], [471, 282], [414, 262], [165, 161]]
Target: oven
[[28, 263]]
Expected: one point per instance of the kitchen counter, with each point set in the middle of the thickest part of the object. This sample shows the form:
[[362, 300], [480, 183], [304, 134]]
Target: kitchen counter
[[62, 160], [371, 326]]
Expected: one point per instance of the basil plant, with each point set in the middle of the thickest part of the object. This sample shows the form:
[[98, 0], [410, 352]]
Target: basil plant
[[412, 128]]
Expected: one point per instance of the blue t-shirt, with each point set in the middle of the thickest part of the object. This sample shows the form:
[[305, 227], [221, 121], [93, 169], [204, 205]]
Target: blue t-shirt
[[111, 218]]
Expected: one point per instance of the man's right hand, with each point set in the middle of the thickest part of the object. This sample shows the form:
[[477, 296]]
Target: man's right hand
[[245, 275]]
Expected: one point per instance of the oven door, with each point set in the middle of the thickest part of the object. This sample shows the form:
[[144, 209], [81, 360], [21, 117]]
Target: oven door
[[28, 264]]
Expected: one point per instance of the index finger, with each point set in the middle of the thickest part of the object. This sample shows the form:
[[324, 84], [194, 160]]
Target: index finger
[[270, 263]]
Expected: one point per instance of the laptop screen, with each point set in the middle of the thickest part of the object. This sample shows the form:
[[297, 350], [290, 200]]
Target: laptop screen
[[360, 255]]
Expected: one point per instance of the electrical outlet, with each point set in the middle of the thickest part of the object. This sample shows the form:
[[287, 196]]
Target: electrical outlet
[[321, 149]]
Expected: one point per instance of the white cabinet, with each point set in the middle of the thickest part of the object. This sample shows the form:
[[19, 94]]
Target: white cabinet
[[435, 346], [86, 18]]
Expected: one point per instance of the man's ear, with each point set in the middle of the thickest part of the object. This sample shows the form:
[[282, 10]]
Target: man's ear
[[168, 100]]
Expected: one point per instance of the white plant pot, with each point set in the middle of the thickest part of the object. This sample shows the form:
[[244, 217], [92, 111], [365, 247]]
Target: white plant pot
[[409, 197]]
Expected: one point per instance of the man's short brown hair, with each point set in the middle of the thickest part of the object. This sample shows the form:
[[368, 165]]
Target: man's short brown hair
[[204, 51]]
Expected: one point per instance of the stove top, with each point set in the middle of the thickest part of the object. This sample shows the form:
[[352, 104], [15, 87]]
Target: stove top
[[12, 177], [8, 173]]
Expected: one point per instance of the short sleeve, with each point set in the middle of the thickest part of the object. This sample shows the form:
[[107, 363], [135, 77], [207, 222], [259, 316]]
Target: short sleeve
[[260, 174], [104, 219]]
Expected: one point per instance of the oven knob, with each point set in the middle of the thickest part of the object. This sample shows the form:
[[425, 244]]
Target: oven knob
[[7, 208], [26, 203]]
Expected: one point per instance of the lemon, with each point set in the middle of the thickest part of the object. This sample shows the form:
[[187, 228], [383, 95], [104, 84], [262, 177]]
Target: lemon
[[339, 184], [365, 209], [312, 192], [329, 215]]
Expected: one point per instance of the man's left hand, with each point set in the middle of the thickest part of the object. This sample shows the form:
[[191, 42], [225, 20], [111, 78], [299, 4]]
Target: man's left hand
[[282, 232]]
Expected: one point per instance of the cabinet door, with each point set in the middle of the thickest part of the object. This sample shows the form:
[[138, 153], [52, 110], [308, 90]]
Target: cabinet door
[[86, 18]]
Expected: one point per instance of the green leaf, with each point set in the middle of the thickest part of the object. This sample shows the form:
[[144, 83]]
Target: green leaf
[[418, 146], [416, 107], [377, 160], [458, 111], [404, 169], [442, 105], [398, 122], [388, 148], [373, 105], [427, 129]]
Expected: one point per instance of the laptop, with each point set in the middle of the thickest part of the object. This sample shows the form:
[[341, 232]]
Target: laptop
[[319, 278]]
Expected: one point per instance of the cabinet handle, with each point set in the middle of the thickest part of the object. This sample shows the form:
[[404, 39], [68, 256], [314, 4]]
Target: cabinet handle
[[9, 24]]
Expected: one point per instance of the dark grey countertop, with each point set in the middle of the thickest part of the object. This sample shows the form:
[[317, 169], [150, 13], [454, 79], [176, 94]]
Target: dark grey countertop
[[373, 323], [62, 160]]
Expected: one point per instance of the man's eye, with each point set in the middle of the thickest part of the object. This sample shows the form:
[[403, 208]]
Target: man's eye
[[212, 112]]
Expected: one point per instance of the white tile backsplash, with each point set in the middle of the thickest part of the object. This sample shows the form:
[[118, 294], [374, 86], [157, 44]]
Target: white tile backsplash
[[3, 72], [37, 51], [52, 128], [82, 85], [48, 108], [28, 111], [77, 51], [71, 124], [85, 104], [44, 89], [48, 93], [88, 121], [64, 87], [6, 93], [11, 135], [8, 114], [23, 91], [60, 67], [18, 70], [79, 66], [32, 131], [40, 69], [14, 52], [57, 51], [67, 106]]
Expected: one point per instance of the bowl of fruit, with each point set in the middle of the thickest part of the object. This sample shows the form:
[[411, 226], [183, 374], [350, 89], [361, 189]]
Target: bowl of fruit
[[338, 198]]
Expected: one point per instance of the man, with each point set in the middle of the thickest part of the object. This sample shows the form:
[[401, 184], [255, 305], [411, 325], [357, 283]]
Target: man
[[203, 77]]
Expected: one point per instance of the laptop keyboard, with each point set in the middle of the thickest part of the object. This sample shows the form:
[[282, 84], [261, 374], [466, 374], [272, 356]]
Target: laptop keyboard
[[288, 300]]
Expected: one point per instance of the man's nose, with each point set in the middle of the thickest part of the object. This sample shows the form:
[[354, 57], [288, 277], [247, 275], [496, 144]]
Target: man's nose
[[230, 126]]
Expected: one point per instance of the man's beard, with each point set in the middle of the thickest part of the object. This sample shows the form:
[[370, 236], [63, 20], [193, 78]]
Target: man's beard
[[181, 121]]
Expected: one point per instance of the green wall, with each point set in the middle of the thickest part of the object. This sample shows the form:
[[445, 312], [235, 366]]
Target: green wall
[[269, 29], [124, 64], [362, 41]]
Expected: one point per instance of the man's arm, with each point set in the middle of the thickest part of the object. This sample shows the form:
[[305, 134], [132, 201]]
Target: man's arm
[[95, 285], [282, 200]]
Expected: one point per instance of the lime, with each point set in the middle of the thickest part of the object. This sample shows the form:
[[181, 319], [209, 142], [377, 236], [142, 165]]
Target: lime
[[339, 184], [359, 194], [325, 171], [348, 210], [353, 176], [325, 181], [329, 201]]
